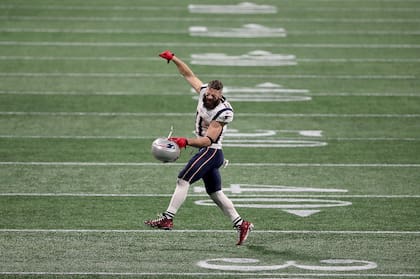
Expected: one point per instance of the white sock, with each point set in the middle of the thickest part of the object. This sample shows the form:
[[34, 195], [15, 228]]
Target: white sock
[[179, 196], [226, 205]]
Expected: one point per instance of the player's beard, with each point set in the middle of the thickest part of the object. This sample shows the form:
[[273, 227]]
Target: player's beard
[[210, 103]]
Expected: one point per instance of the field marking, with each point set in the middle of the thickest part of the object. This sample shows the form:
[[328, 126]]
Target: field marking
[[358, 60], [134, 164], [177, 31], [181, 114], [203, 231], [184, 8], [79, 58], [110, 93], [204, 195], [207, 45], [128, 58], [88, 137], [248, 264], [137, 93], [99, 8], [212, 19], [369, 139], [113, 31], [80, 137], [241, 274], [369, 94], [353, 32], [148, 75]]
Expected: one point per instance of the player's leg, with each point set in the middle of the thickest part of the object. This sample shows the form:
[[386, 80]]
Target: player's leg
[[193, 171], [178, 198], [212, 181], [198, 165], [164, 221]]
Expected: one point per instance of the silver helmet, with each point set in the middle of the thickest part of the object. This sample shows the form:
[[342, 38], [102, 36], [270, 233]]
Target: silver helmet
[[165, 150]]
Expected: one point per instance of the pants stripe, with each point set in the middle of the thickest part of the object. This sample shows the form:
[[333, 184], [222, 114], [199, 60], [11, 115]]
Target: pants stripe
[[202, 165], [197, 161], [193, 164]]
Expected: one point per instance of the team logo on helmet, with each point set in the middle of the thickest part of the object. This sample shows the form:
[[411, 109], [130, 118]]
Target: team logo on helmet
[[165, 150]]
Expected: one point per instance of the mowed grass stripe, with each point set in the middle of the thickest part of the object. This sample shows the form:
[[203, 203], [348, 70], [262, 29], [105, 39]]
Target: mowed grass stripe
[[158, 178], [214, 19], [136, 151], [67, 250], [91, 212]]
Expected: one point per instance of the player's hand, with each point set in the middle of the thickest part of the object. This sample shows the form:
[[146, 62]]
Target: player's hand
[[181, 142], [167, 54]]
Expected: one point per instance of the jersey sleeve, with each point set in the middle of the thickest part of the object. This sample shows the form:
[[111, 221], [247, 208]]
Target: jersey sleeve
[[224, 116], [203, 90]]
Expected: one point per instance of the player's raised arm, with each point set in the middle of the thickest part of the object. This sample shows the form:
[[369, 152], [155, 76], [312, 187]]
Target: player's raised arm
[[183, 69]]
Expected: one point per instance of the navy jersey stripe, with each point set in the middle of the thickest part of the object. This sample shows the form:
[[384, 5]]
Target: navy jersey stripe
[[200, 126], [220, 112]]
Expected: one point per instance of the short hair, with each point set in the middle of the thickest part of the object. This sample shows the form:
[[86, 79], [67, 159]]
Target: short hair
[[215, 84]]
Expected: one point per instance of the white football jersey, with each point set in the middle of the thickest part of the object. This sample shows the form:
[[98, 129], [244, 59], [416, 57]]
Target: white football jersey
[[223, 113]]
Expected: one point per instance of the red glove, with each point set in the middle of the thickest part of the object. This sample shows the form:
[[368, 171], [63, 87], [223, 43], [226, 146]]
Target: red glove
[[167, 54], [181, 142]]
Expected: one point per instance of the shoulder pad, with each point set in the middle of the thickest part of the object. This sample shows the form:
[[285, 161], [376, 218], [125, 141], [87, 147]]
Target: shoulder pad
[[224, 115]]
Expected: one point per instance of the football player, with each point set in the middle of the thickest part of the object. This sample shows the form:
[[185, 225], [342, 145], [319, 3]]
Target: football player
[[213, 114]]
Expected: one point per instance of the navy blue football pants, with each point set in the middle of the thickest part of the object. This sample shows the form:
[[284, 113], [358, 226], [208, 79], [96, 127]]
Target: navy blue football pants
[[205, 165]]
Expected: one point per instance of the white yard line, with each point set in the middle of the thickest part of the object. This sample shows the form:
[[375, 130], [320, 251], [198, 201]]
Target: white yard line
[[78, 58], [354, 32], [178, 31], [358, 60], [205, 195], [180, 114], [369, 94], [116, 93], [148, 75], [216, 274], [116, 58], [95, 114], [205, 45], [100, 8], [101, 31], [184, 8], [137, 93], [265, 165], [203, 231], [82, 137], [88, 137]]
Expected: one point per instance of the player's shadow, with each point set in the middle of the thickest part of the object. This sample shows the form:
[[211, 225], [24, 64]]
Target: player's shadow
[[286, 254]]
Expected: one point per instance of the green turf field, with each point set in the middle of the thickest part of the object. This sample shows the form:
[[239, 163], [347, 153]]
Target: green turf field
[[324, 154]]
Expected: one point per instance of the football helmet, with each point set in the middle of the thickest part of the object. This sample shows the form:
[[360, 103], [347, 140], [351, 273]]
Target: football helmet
[[165, 150]]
